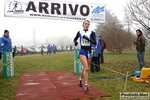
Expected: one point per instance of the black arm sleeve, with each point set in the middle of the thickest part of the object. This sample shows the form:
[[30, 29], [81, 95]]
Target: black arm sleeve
[[76, 38], [93, 40]]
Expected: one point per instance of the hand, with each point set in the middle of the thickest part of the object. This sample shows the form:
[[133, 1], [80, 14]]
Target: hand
[[135, 42], [76, 43], [140, 51], [84, 37]]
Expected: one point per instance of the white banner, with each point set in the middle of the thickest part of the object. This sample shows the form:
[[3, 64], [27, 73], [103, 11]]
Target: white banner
[[55, 10]]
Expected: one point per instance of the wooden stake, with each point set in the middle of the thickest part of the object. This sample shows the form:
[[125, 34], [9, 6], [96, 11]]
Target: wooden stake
[[125, 86]]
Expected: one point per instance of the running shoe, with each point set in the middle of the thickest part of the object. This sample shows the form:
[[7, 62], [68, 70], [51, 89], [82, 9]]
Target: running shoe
[[86, 88]]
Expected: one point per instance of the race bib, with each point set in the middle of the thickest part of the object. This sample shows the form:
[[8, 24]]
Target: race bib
[[85, 42]]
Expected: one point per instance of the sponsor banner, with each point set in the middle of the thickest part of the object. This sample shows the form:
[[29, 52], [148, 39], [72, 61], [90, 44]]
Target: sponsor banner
[[8, 66], [55, 10], [77, 63]]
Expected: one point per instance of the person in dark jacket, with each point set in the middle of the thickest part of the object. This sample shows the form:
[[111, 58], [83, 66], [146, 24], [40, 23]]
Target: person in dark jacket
[[1, 48], [103, 46], [49, 49], [14, 51], [42, 50], [95, 62], [6, 44], [140, 47], [54, 49]]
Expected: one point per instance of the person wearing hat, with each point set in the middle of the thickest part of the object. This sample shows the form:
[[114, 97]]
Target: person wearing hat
[[6, 44]]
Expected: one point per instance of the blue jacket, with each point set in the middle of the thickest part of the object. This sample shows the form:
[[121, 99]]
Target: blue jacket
[[96, 47], [6, 44], [49, 48], [1, 46], [54, 47]]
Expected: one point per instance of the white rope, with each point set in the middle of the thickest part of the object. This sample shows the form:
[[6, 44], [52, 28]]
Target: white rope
[[123, 74], [111, 70]]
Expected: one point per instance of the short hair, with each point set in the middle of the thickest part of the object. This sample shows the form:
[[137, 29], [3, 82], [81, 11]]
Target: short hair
[[100, 36], [6, 31], [139, 31], [86, 21]]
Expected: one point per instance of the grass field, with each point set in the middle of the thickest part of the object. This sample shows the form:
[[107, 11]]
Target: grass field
[[64, 61]]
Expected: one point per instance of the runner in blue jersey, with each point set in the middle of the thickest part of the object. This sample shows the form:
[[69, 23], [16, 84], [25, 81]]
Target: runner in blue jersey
[[86, 38]]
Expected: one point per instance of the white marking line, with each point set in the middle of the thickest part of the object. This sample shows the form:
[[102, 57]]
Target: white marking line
[[27, 75], [44, 79], [41, 74], [64, 83], [20, 94], [60, 77], [32, 83]]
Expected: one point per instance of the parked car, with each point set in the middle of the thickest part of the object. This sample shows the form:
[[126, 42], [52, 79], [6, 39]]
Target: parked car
[[18, 51], [36, 49], [30, 50], [59, 48], [45, 48]]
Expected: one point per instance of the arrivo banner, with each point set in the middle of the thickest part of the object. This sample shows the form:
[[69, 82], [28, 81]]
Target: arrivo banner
[[55, 10]]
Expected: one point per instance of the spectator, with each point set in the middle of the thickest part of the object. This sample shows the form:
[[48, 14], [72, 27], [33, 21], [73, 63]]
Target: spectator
[[140, 47], [103, 46], [1, 48], [95, 62], [54, 49], [70, 47], [49, 49], [22, 50], [14, 51], [6, 44], [42, 50]]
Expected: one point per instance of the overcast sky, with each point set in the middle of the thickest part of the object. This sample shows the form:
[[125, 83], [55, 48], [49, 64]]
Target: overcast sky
[[21, 29]]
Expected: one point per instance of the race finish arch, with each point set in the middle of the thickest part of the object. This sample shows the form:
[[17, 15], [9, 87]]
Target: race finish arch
[[70, 11], [58, 10]]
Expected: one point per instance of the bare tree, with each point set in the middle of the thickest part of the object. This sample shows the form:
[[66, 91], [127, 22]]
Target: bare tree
[[114, 34], [116, 37], [110, 17], [137, 13]]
